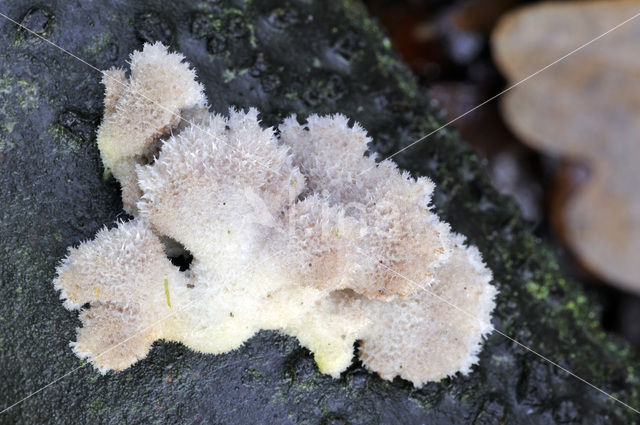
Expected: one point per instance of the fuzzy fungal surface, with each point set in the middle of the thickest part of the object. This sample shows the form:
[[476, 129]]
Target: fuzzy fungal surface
[[301, 233]]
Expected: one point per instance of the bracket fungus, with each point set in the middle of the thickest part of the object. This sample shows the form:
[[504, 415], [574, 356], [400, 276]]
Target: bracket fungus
[[300, 233], [586, 110]]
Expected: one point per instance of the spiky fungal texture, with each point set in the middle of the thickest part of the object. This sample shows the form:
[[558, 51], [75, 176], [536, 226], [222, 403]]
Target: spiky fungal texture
[[143, 108], [301, 234]]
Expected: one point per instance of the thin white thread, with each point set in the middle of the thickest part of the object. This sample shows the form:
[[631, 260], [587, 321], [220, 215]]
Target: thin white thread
[[104, 352], [122, 342], [401, 150], [472, 316], [142, 95], [504, 91]]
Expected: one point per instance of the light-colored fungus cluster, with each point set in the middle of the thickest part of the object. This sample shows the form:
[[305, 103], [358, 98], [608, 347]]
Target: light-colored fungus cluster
[[287, 233], [591, 121]]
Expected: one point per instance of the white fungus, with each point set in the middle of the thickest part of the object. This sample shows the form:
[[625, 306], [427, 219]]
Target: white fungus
[[300, 233]]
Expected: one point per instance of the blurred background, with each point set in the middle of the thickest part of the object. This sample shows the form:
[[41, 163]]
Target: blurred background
[[565, 143]]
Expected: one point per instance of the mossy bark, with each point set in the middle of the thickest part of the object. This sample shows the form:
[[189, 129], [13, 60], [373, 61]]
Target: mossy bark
[[282, 57]]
